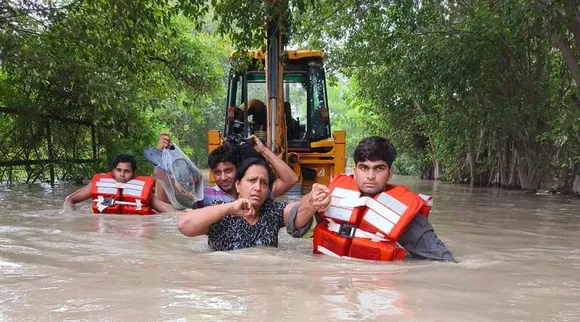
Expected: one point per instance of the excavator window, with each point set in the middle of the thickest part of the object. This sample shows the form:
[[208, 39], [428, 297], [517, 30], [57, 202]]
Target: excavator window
[[320, 125], [305, 106]]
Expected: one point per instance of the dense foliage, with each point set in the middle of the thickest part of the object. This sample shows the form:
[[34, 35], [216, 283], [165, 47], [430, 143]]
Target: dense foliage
[[468, 90], [478, 91], [130, 68]]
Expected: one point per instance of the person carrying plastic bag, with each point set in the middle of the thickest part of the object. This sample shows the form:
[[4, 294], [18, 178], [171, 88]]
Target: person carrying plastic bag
[[180, 178]]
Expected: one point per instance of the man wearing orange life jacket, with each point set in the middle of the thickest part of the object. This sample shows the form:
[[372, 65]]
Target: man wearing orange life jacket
[[120, 192], [370, 219]]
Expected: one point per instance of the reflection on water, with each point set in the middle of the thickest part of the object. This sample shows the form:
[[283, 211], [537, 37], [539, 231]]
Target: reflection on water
[[519, 260]]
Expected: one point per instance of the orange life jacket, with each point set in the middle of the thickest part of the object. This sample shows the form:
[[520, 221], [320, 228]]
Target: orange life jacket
[[364, 227], [112, 197]]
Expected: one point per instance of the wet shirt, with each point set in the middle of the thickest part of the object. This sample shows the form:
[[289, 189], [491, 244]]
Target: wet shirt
[[213, 195], [233, 232], [420, 241]]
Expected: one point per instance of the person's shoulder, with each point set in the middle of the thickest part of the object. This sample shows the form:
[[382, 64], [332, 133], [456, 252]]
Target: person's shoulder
[[208, 191], [398, 191], [341, 177], [211, 193], [398, 187], [211, 189]]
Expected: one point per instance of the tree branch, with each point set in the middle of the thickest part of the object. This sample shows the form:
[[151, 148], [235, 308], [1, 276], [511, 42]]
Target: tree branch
[[569, 58], [571, 9]]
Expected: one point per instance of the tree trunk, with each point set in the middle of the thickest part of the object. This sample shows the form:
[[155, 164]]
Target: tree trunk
[[560, 41], [571, 8], [472, 166], [503, 165], [512, 177], [576, 184], [522, 169], [523, 175], [494, 178], [437, 170], [569, 58]]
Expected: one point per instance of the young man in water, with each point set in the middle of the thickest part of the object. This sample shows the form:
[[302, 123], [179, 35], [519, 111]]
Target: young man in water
[[374, 158], [223, 163], [124, 167]]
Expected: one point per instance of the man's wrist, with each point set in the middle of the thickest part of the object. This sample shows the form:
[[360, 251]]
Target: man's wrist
[[265, 153], [309, 201]]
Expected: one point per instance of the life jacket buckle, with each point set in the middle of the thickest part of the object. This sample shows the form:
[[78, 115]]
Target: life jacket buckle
[[347, 230], [107, 202]]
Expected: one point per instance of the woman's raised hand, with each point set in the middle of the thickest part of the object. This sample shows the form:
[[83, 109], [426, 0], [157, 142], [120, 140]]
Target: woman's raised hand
[[243, 208]]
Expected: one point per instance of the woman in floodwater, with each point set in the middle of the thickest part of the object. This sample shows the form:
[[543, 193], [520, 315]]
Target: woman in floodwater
[[253, 219]]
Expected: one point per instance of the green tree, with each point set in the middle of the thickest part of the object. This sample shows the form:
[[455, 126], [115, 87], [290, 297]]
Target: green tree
[[118, 64], [470, 91]]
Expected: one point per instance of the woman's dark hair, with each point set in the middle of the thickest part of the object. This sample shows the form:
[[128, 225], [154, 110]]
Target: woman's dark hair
[[375, 148], [125, 158], [247, 163]]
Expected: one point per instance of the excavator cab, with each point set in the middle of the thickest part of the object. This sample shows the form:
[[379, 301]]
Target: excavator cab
[[305, 102], [295, 124]]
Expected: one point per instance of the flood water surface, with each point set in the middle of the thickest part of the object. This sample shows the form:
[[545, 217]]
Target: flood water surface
[[518, 260]]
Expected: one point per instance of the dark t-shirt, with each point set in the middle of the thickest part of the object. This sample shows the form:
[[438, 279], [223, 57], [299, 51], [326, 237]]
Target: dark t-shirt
[[233, 232], [420, 241]]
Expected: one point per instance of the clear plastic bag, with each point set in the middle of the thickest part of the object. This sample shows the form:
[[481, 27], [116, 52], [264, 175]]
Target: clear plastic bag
[[181, 179]]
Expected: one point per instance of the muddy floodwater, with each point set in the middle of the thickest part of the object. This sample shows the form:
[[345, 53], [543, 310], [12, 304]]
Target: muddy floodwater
[[518, 260]]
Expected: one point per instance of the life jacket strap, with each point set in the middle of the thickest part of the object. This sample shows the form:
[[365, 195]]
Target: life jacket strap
[[350, 231], [103, 203]]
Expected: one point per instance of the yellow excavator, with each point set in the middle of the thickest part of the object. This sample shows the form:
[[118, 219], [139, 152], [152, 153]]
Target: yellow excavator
[[280, 96]]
